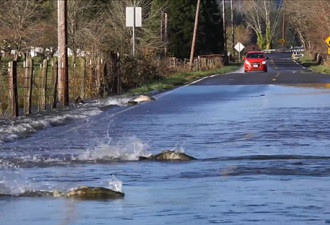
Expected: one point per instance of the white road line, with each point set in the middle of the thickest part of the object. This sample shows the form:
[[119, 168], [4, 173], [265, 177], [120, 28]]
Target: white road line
[[298, 64]]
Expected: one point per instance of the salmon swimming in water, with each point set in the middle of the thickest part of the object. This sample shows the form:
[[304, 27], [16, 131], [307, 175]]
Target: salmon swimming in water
[[168, 155], [85, 192], [80, 192], [139, 99]]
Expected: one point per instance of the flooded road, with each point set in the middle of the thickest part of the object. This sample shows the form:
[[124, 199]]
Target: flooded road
[[261, 141]]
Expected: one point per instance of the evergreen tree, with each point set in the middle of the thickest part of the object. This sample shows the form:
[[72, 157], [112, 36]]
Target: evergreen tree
[[181, 24]]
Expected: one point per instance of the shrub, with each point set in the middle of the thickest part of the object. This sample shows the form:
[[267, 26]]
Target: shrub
[[138, 71]]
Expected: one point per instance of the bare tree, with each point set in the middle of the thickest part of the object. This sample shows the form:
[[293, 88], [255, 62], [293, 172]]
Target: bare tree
[[109, 31], [18, 22], [77, 21], [259, 16], [311, 21], [242, 34]]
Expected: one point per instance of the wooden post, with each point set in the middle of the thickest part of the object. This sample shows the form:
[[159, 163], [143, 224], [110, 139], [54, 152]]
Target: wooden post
[[91, 78], [118, 68], [83, 81], [43, 78], [28, 77], [163, 32], [98, 76], [194, 36], [283, 27], [224, 26], [63, 81], [55, 83], [232, 29], [12, 87], [103, 80]]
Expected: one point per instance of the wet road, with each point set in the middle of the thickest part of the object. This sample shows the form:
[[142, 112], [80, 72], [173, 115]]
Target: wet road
[[262, 142], [281, 70]]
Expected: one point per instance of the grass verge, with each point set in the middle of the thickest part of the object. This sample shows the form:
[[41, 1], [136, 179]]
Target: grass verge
[[313, 65], [180, 78]]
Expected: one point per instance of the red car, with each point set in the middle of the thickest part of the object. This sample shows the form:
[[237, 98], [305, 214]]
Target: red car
[[255, 60]]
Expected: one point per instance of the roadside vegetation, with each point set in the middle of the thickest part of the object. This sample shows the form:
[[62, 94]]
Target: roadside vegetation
[[180, 78], [314, 65]]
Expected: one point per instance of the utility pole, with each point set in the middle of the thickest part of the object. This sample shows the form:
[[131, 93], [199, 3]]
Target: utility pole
[[63, 81], [194, 36], [134, 24], [163, 31], [232, 28], [283, 26], [224, 26]]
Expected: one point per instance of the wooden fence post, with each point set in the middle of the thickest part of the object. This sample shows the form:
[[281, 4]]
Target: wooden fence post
[[98, 76], [55, 80], [43, 78], [103, 71], [83, 81], [12, 87], [28, 76], [118, 72], [91, 79]]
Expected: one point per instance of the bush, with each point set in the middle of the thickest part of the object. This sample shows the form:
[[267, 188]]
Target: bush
[[138, 71]]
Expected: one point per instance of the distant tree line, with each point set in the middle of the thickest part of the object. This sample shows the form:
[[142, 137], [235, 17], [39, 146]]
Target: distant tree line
[[311, 23], [98, 26], [306, 23]]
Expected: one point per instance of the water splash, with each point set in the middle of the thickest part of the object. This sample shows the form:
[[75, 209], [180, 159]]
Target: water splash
[[115, 184], [15, 183], [129, 148], [117, 101], [24, 126]]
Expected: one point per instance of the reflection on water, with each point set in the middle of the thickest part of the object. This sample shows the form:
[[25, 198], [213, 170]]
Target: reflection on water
[[262, 159], [311, 85]]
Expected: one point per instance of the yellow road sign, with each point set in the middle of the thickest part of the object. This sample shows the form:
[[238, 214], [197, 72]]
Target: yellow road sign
[[328, 41], [282, 40]]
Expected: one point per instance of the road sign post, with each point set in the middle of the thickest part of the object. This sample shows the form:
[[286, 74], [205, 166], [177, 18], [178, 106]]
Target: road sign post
[[133, 19], [239, 47]]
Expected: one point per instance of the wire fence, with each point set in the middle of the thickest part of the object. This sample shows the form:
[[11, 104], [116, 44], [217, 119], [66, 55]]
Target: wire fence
[[31, 85]]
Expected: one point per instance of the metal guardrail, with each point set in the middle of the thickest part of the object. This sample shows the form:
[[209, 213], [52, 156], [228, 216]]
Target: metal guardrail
[[293, 49]]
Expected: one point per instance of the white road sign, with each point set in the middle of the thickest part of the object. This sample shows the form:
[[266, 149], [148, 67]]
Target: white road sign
[[239, 46], [130, 16]]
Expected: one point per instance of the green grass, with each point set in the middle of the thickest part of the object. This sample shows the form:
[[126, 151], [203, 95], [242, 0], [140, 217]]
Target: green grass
[[180, 78], [321, 69], [311, 64]]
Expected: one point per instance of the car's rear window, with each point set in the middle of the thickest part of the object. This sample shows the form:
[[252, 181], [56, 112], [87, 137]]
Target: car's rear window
[[255, 55]]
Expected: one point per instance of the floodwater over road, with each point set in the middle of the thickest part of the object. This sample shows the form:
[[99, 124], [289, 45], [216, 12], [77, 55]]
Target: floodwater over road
[[262, 158]]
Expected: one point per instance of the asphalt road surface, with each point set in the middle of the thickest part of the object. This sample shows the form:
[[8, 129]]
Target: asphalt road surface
[[281, 70]]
